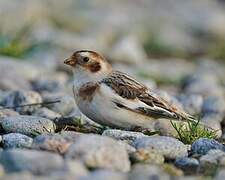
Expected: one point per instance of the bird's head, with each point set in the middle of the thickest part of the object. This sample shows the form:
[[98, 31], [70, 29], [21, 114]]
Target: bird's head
[[88, 65]]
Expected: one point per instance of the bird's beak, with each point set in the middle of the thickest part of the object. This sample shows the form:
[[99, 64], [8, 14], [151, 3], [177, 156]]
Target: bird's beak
[[70, 61]]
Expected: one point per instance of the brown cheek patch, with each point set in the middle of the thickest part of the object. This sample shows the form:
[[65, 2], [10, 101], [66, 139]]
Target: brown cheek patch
[[95, 67], [88, 90]]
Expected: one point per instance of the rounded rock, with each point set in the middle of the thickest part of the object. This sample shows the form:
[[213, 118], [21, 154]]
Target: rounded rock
[[28, 125], [170, 147], [18, 98], [188, 165], [127, 136], [203, 145], [100, 152], [36, 162], [16, 140]]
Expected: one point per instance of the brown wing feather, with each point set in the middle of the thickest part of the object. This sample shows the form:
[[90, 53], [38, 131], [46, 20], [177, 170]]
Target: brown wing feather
[[129, 88]]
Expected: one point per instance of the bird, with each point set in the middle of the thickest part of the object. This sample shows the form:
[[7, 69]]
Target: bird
[[114, 99]]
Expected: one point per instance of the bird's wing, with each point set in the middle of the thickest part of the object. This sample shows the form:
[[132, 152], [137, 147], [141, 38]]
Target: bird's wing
[[137, 97]]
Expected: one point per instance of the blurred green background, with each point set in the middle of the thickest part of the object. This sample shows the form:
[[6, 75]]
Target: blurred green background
[[123, 30]]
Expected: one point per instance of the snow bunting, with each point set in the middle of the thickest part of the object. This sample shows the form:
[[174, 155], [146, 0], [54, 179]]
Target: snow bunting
[[113, 98]]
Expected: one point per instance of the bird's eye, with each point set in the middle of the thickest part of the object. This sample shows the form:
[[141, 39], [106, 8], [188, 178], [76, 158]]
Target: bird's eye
[[85, 59]]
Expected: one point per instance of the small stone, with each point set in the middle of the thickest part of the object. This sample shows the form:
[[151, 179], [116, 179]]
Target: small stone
[[19, 176], [127, 136], [16, 140], [210, 161], [188, 165], [7, 112], [75, 168], [18, 98], [105, 174], [148, 157], [220, 175], [36, 162], [192, 104], [214, 104], [2, 171], [128, 50], [144, 171], [99, 152], [170, 147], [64, 107], [51, 142], [70, 136], [46, 113], [54, 82], [28, 125], [203, 145], [172, 170]]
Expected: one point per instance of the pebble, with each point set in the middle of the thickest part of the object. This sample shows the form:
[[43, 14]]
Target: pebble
[[170, 147], [51, 142], [75, 168], [64, 107], [203, 145], [46, 113], [28, 125], [214, 104], [16, 140], [7, 112], [127, 136], [99, 152], [36, 162], [105, 174], [148, 157], [17, 98], [144, 171], [192, 103], [188, 165], [210, 161]]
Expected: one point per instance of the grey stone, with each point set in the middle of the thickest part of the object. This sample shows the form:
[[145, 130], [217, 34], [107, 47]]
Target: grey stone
[[36, 162], [99, 152], [188, 165], [75, 168], [51, 142], [220, 175], [214, 104], [19, 176], [192, 104], [16, 140], [203, 83], [127, 136], [104, 174], [7, 112], [170, 147], [146, 156], [46, 113], [28, 125], [209, 162], [143, 171], [70, 136], [128, 50], [17, 98], [203, 145], [66, 105]]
